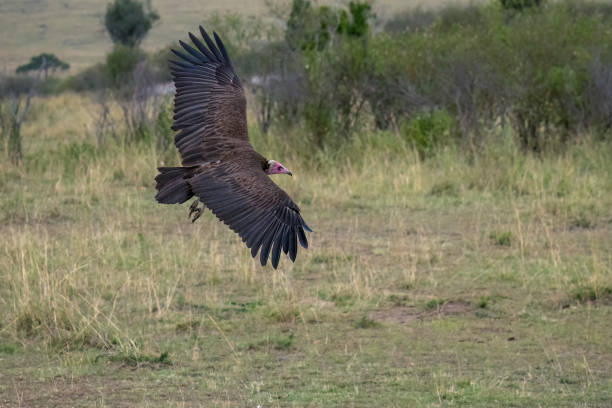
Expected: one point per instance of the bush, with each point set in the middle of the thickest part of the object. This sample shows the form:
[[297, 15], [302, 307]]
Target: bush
[[410, 21], [520, 4], [438, 76], [93, 78], [121, 62], [15, 84], [428, 130]]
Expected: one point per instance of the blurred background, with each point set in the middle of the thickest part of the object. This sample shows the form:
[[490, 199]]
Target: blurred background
[[454, 159]]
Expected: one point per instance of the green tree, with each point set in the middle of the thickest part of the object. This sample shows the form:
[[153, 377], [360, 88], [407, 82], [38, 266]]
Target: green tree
[[129, 21], [45, 62], [310, 27], [360, 14]]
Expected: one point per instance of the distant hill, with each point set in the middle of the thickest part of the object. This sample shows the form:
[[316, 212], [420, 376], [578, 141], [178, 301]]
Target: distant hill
[[73, 29]]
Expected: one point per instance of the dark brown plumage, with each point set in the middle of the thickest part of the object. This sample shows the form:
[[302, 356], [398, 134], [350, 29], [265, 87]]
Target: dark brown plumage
[[220, 167]]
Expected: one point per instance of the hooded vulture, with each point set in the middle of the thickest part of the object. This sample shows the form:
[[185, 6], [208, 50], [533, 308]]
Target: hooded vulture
[[219, 165]]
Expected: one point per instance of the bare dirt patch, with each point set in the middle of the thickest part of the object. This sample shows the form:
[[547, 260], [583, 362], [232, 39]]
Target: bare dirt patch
[[408, 314]]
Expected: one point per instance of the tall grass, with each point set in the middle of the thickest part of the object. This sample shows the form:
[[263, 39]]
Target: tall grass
[[91, 263]]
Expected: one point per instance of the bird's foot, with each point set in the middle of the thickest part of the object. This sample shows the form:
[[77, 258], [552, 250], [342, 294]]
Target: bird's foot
[[195, 211]]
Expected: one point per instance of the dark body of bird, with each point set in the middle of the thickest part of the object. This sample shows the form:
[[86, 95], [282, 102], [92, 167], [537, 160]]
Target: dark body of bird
[[220, 166]]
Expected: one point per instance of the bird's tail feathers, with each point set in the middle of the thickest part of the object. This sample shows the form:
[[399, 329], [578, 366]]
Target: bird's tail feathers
[[172, 186]]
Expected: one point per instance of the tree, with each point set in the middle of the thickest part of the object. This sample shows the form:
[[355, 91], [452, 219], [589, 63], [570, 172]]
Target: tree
[[12, 115], [310, 28], [45, 62], [360, 13], [129, 21]]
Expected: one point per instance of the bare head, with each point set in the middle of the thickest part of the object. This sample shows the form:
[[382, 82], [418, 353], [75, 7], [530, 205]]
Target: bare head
[[275, 167]]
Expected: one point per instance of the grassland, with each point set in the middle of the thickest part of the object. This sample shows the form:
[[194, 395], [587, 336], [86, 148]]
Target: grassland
[[74, 29], [460, 280]]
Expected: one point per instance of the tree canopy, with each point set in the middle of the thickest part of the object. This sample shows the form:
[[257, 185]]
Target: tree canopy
[[45, 62], [129, 21]]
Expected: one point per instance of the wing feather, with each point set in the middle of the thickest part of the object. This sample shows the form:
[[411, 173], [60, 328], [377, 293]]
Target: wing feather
[[267, 244], [292, 244], [286, 239], [302, 237], [221, 47], [212, 137], [210, 44], [196, 41], [209, 104], [278, 243], [254, 207]]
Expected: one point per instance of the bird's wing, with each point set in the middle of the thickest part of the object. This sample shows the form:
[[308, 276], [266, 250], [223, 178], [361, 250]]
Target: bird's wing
[[209, 104], [254, 207]]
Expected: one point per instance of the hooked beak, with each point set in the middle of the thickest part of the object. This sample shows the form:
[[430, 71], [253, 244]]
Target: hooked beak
[[289, 173]]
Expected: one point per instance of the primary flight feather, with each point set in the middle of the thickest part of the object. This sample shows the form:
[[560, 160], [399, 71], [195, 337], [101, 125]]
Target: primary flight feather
[[220, 167]]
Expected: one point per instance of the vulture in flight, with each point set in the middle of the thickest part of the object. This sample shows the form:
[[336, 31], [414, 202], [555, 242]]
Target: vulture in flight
[[219, 165]]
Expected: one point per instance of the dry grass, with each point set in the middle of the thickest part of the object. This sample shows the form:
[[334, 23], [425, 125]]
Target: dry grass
[[444, 282]]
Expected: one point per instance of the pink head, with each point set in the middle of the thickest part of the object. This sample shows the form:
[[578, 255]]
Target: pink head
[[275, 167]]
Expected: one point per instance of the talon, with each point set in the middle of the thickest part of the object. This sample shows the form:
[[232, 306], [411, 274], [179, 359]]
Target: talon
[[194, 207], [195, 211], [197, 215]]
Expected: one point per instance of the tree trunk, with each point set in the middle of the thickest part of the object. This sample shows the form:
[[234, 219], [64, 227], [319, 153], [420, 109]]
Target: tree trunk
[[15, 146]]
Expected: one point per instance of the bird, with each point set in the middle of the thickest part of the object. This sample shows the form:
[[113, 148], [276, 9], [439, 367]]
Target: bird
[[219, 166]]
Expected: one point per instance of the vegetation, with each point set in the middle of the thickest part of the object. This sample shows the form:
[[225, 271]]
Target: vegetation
[[128, 21], [45, 62], [520, 4], [455, 165], [543, 72], [455, 280]]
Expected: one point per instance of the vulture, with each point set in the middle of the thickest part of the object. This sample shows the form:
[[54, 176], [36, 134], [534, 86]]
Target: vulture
[[220, 167]]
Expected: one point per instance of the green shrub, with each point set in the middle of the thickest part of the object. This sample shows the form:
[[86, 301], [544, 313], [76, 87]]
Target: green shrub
[[501, 238], [93, 78], [121, 62], [15, 85], [520, 4], [449, 75], [428, 130]]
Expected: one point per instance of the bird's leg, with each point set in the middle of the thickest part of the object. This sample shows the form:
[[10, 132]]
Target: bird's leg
[[195, 211], [193, 206]]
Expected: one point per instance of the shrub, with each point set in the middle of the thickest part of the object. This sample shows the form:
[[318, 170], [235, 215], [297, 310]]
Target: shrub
[[93, 78], [520, 4], [501, 238], [121, 62], [15, 84], [428, 130], [438, 76]]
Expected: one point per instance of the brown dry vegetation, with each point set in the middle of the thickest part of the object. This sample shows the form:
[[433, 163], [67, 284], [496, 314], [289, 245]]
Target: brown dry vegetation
[[461, 280]]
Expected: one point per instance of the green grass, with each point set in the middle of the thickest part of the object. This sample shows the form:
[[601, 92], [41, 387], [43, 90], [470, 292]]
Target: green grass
[[445, 282]]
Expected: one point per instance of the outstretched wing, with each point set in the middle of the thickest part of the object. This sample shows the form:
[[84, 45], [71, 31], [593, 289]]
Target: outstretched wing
[[252, 205], [209, 104]]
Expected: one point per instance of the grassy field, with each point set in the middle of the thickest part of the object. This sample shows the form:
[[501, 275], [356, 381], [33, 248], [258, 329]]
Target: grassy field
[[481, 281], [74, 29]]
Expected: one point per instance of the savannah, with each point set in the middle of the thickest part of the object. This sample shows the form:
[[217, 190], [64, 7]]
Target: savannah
[[454, 161]]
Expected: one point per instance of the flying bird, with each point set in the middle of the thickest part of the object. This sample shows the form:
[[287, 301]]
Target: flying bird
[[220, 167]]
